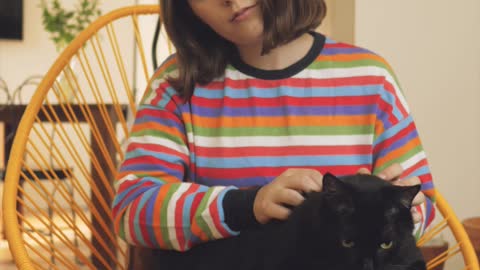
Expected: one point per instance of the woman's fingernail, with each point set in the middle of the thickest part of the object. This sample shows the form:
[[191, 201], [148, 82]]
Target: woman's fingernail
[[383, 176]]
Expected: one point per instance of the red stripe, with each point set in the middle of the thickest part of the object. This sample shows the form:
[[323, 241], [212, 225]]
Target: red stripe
[[173, 100], [179, 215], [402, 133], [126, 185], [143, 229], [415, 167], [291, 101], [153, 161], [271, 172], [338, 45], [195, 204], [242, 84], [387, 109], [160, 113], [282, 151], [216, 218], [156, 148], [131, 220], [389, 87]]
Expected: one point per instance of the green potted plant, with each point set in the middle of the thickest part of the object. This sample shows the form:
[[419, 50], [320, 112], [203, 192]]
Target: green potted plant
[[65, 24]]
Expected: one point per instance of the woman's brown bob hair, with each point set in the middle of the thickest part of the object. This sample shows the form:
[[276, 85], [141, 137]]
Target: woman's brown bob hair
[[203, 55]]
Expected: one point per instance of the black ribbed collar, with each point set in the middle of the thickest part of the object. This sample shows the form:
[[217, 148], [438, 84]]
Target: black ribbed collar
[[317, 46]]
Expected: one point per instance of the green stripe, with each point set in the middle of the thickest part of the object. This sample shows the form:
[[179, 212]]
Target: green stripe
[[347, 64], [164, 217], [201, 208], [169, 69], [159, 134], [351, 64], [284, 131], [121, 231], [403, 158]]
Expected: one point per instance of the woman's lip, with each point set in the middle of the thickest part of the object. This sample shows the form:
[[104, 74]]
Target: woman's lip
[[239, 14]]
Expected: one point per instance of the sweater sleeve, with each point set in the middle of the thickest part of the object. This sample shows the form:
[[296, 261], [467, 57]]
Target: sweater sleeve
[[397, 141], [155, 204]]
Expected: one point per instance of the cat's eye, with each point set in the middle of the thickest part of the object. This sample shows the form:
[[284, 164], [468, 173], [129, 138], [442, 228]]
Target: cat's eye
[[386, 245], [348, 243]]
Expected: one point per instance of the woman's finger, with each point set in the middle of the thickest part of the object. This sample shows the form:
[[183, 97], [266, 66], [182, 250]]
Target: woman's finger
[[392, 172], [417, 217], [289, 197], [412, 181], [278, 212], [363, 171], [419, 199]]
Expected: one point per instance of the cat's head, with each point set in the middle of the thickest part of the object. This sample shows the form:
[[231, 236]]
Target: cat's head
[[368, 219]]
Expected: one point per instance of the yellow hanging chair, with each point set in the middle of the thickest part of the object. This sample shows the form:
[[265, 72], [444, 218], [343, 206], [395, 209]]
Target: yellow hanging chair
[[58, 187]]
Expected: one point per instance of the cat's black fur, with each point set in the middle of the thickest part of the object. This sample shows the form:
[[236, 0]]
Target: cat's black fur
[[341, 228]]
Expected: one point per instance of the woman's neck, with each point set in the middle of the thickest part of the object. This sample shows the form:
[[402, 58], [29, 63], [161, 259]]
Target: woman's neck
[[280, 57]]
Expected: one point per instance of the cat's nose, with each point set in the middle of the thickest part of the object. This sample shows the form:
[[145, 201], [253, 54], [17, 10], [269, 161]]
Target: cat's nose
[[367, 264]]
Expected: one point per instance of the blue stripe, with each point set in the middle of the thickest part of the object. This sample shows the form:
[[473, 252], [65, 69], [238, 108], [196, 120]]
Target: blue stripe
[[251, 162], [330, 41], [186, 223], [398, 144], [163, 120], [240, 183], [132, 196], [121, 196], [140, 152], [221, 213], [150, 215], [153, 168], [289, 91], [393, 130], [285, 110], [335, 51], [138, 233], [167, 95]]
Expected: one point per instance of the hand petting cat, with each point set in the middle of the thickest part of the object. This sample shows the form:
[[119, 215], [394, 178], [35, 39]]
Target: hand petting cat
[[273, 199], [392, 173]]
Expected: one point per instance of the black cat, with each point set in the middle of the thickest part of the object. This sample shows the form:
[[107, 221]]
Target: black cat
[[358, 223]]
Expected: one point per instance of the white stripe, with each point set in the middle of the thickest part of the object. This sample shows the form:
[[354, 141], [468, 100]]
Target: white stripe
[[129, 177], [355, 72], [151, 91], [160, 141], [172, 204], [283, 141], [331, 73], [407, 164], [207, 215], [126, 226]]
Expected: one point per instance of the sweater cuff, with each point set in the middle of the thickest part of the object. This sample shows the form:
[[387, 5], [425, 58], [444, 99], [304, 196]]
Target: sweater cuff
[[238, 209]]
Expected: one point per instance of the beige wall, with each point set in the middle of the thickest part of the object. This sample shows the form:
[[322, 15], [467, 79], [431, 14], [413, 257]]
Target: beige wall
[[340, 20], [434, 47]]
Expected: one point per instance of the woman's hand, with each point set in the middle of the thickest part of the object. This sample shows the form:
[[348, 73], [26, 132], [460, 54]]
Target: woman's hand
[[392, 173], [273, 199]]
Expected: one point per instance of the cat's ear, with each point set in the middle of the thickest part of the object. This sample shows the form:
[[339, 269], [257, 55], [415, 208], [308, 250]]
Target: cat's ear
[[407, 194], [332, 185]]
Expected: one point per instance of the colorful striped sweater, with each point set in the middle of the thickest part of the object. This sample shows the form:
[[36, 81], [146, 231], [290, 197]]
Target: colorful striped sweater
[[338, 109]]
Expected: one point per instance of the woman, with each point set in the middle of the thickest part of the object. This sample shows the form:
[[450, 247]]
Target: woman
[[249, 113]]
